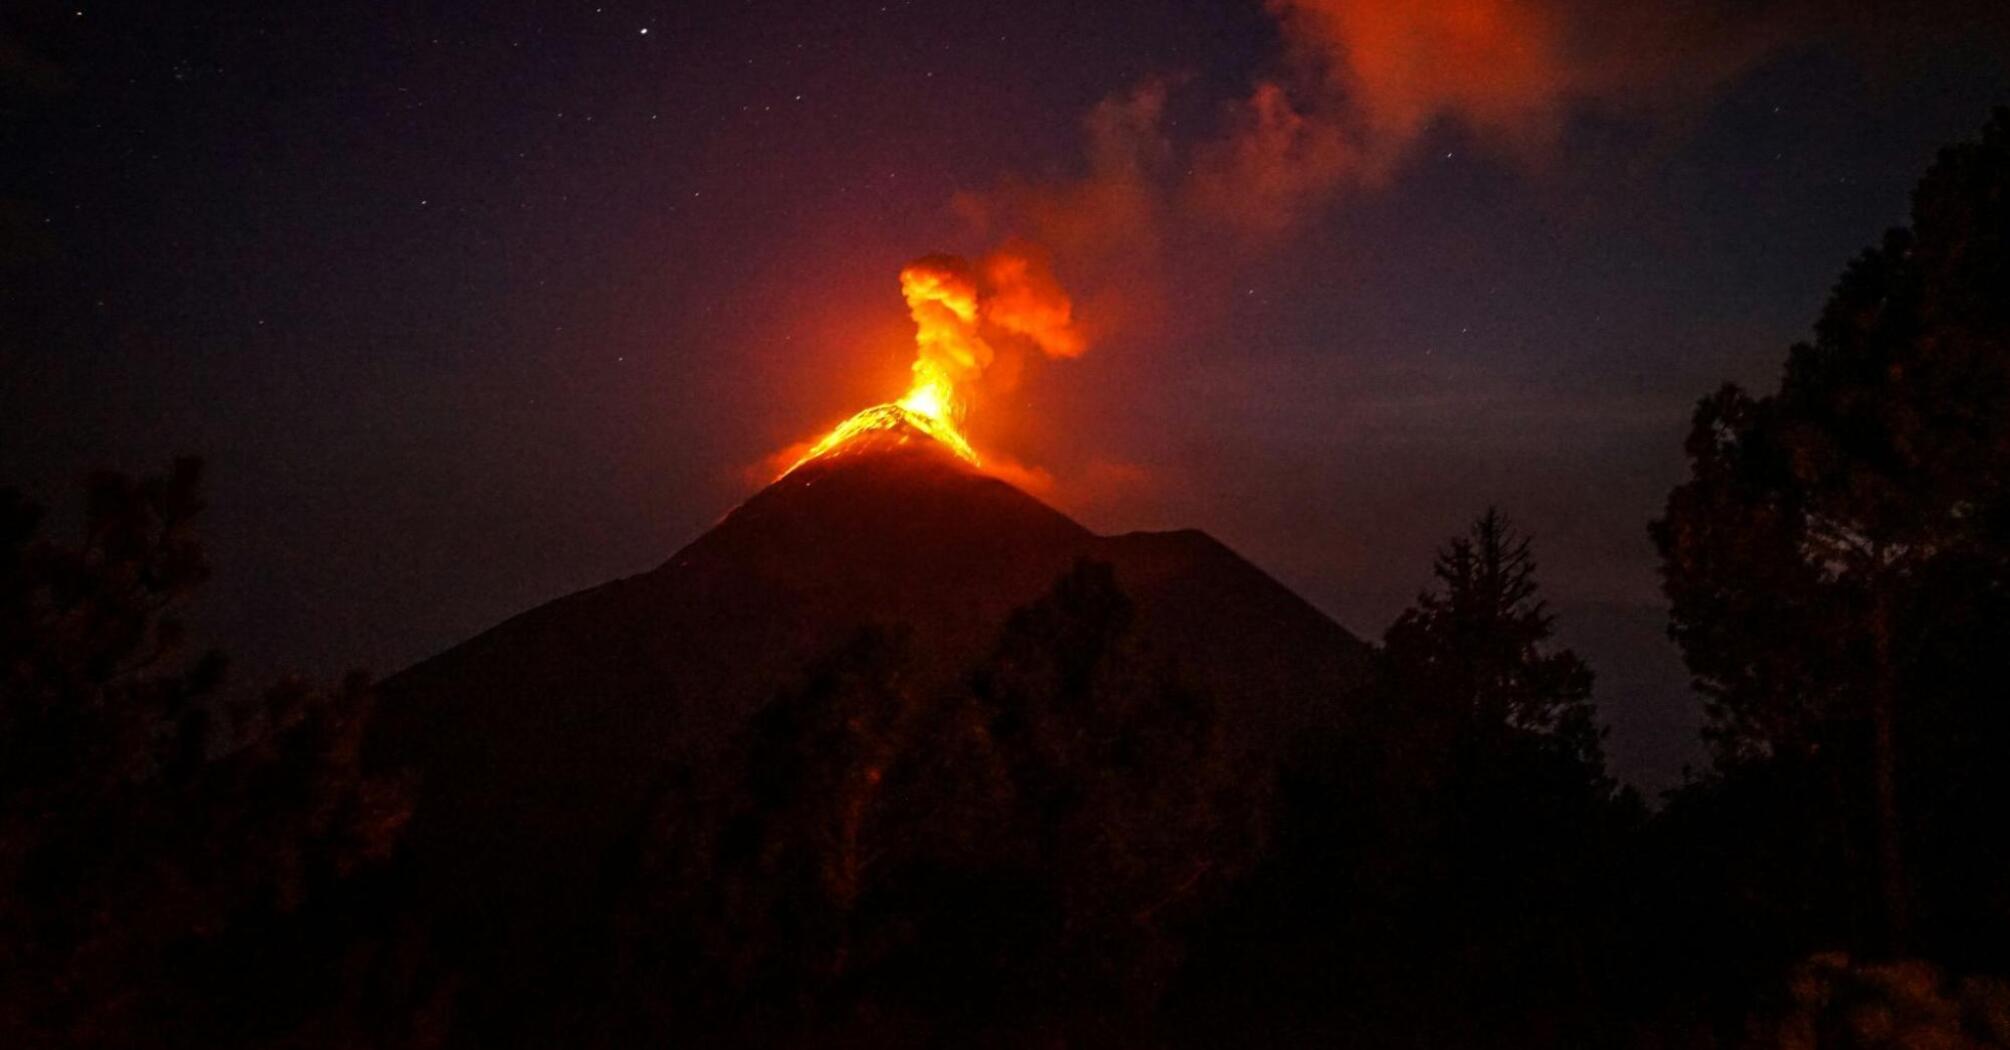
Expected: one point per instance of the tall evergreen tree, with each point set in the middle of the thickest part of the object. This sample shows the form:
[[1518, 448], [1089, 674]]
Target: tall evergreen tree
[[1441, 871], [1477, 649], [1837, 559]]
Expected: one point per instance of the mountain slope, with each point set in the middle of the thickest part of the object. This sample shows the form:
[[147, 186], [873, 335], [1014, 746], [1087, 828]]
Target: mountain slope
[[539, 740]]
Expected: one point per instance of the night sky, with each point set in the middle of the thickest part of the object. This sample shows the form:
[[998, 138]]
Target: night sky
[[470, 306]]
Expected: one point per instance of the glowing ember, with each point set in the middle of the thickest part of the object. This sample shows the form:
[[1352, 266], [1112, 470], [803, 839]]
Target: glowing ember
[[1011, 297]]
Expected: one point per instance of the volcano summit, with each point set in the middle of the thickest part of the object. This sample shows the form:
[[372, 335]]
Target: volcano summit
[[891, 424]]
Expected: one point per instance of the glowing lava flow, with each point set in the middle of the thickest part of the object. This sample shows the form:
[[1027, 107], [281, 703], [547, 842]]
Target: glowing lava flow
[[1009, 296], [890, 417], [949, 353]]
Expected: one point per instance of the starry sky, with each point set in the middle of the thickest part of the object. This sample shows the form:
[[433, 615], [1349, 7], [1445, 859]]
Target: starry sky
[[469, 306]]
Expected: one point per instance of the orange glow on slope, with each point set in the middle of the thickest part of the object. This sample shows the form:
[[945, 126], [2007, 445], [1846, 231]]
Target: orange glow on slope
[[890, 418], [1010, 297]]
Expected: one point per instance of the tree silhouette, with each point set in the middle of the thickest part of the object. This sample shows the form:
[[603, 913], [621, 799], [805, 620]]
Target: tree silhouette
[[159, 842], [1007, 859], [1836, 557], [1476, 648], [90, 646], [1439, 873], [1494, 746]]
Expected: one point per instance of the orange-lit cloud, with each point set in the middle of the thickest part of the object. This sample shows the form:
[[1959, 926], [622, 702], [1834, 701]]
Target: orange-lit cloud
[[1160, 217], [1358, 85], [972, 328], [974, 323], [1024, 299], [1497, 65], [1165, 211]]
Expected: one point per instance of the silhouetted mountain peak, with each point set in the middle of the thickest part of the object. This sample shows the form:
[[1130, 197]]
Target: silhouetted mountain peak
[[906, 520], [537, 740]]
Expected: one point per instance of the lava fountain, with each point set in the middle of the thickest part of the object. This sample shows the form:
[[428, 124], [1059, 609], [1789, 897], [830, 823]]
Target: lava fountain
[[963, 319]]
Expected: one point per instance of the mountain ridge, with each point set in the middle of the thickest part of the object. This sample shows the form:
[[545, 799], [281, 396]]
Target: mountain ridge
[[537, 742]]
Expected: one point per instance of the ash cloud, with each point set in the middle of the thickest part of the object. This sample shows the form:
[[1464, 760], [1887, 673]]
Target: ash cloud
[[1357, 85]]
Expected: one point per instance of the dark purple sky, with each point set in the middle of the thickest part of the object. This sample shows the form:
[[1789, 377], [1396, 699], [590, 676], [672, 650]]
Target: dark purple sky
[[473, 305]]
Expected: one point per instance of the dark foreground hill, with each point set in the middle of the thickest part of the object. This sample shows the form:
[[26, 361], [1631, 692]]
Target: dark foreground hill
[[540, 743]]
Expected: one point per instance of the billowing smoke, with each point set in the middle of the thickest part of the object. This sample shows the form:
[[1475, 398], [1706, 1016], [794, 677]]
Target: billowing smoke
[[1358, 85], [972, 323], [973, 326], [1157, 223]]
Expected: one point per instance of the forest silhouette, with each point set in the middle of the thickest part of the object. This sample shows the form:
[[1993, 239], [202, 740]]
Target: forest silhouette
[[1072, 841]]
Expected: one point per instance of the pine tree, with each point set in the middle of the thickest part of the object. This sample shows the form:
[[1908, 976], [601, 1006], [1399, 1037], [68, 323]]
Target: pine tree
[[1476, 648]]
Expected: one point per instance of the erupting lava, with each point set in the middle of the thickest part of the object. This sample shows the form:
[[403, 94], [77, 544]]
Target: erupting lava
[[958, 317], [892, 417]]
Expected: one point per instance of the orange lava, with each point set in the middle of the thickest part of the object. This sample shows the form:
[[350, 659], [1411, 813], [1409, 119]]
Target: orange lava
[[958, 312]]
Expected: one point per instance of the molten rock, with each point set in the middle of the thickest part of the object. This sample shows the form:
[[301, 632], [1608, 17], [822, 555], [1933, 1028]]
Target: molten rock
[[886, 426]]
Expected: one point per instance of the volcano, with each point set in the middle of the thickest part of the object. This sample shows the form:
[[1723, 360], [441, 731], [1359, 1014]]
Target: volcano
[[537, 742]]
